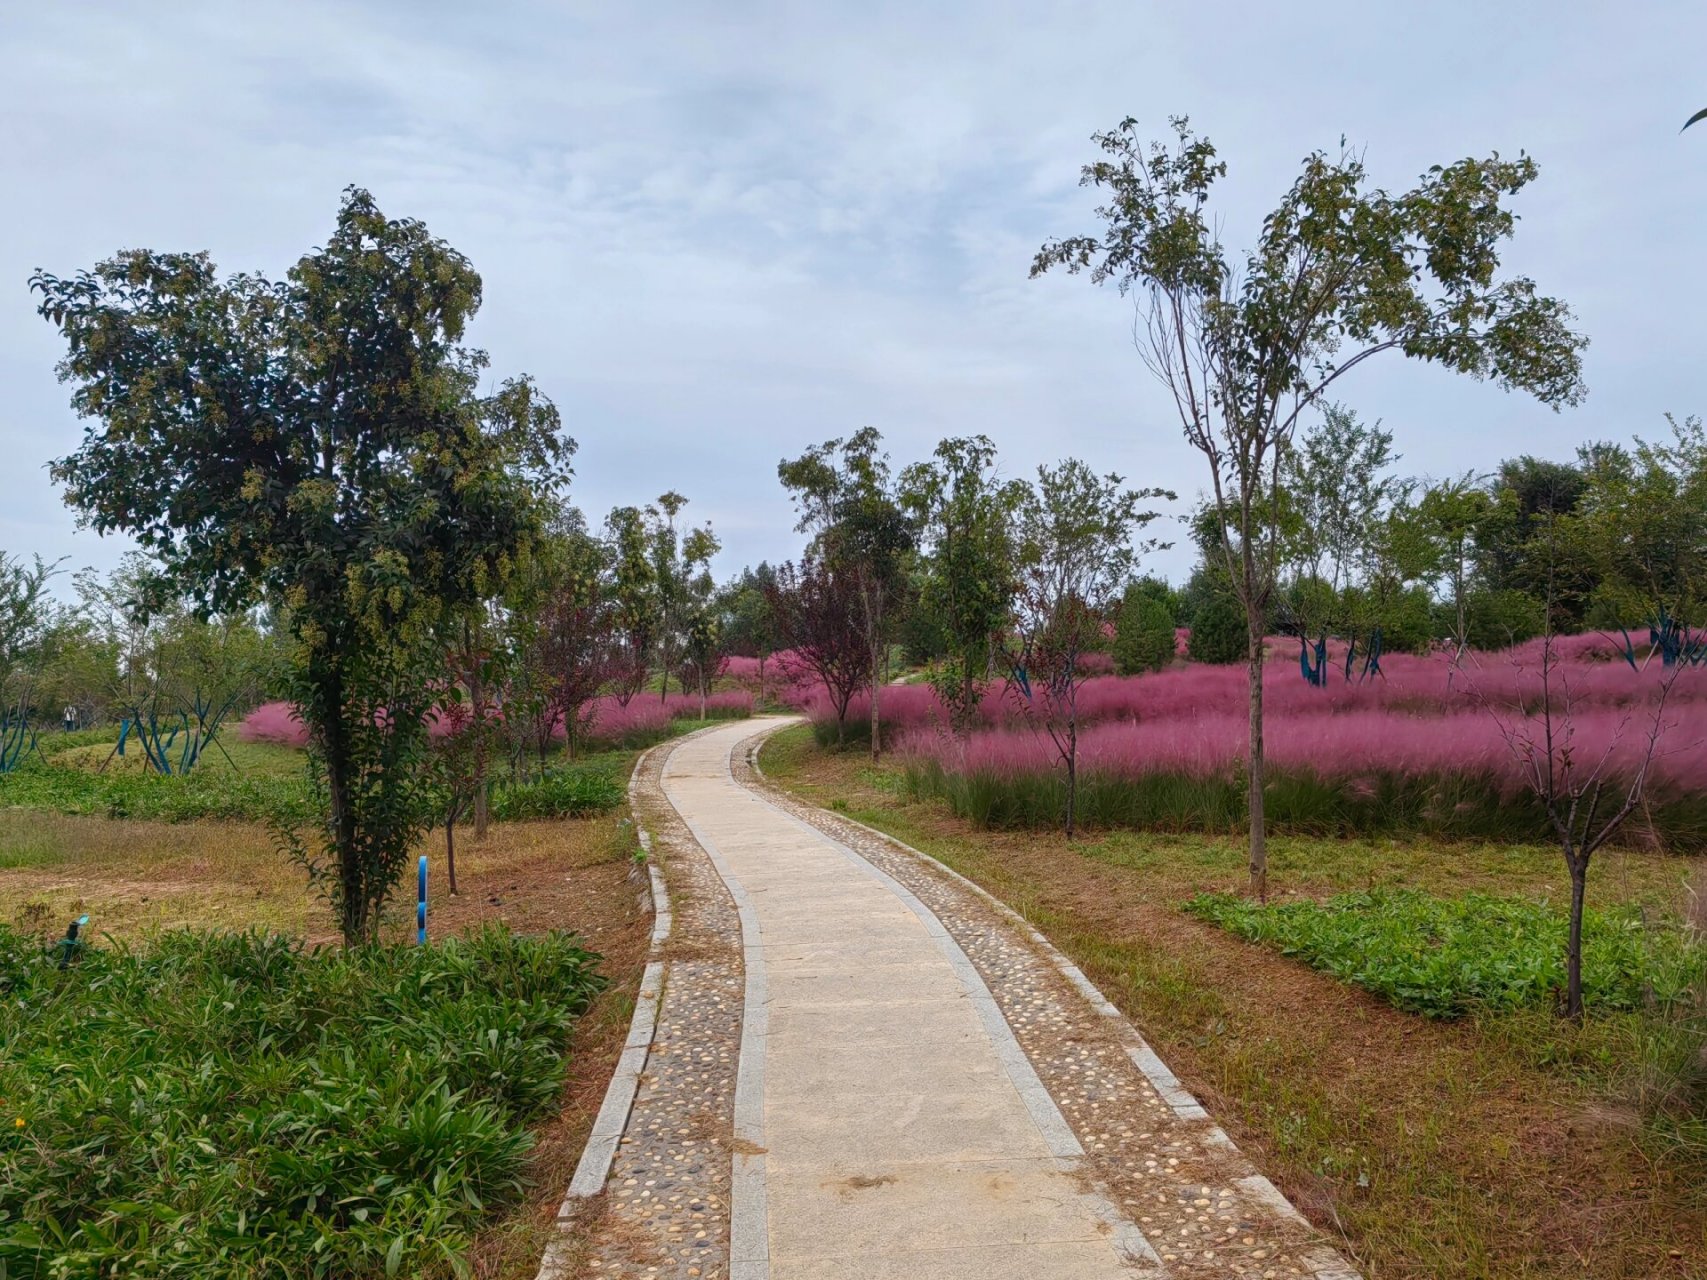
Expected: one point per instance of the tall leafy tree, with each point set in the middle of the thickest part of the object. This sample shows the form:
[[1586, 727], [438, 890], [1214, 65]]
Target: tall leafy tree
[[320, 442], [965, 514], [634, 596], [681, 580], [1341, 273], [847, 500], [746, 623], [1643, 522], [1336, 487], [1526, 545], [1446, 519]]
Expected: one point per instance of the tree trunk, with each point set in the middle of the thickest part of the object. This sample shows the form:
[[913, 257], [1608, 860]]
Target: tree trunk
[[876, 677], [477, 704], [450, 849], [1072, 772], [1574, 945], [352, 895], [1254, 770], [702, 692], [761, 679]]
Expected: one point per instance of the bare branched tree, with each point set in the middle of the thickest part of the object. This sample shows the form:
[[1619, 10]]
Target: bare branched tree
[[1588, 794]]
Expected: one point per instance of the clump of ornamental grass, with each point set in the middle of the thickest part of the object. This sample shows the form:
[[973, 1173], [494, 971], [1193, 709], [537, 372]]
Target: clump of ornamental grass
[[218, 1104]]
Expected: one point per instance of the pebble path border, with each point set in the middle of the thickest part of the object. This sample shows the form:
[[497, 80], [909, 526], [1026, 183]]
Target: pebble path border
[[663, 1212], [1149, 1143]]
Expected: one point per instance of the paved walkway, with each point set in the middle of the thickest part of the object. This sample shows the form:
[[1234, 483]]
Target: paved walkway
[[887, 1124]]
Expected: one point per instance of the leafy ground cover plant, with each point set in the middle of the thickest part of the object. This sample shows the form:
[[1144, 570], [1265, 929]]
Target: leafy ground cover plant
[[1447, 957], [240, 1105], [209, 792], [560, 793]]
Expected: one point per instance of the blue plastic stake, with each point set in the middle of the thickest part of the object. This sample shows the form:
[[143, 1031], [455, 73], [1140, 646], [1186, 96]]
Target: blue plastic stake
[[421, 903]]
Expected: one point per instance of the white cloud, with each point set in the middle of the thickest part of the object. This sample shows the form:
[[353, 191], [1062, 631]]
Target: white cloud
[[719, 233]]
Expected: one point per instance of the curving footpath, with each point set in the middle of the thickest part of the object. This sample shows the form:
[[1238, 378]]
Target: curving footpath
[[887, 1122]]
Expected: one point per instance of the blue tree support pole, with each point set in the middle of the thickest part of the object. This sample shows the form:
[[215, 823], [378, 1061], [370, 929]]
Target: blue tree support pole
[[421, 902]]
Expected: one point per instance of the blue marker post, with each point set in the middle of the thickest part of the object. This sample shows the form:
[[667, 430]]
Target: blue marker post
[[421, 903]]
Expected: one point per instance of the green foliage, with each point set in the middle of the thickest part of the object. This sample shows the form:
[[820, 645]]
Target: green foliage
[[237, 1105], [26, 615], [324, 445], [1219, 633], [967, 559], [1143, 633], [1446, 957], [281, 796], [560, 793], [1500, 618], [746, 624], [849, 503]]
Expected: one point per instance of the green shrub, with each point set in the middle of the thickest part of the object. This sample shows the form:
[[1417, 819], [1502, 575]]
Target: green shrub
[[1446, 957], [1144, 633], [238, 1105], [1218, 633], [561, 793]]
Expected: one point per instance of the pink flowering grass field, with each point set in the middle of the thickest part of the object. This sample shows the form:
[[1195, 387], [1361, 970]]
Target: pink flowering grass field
[[606, 721], [1421, 748]]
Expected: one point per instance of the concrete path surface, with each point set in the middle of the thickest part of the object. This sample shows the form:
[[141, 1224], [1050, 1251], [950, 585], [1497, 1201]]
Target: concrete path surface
[[887, 1124]]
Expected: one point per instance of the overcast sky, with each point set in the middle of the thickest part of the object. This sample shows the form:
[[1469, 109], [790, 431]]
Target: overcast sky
[[716, 233]]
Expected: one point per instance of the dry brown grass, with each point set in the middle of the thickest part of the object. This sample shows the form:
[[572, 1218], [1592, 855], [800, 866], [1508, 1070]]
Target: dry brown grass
[[1432, 1149]]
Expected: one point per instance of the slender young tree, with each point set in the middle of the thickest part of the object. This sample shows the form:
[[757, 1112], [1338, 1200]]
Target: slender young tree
[[1446, 517], [1588, 796], [966, 515], [320, 443], [847, 500], [1075, 554], [1336, 489], [818, 614], [1341, 273], [634, 595], [681, 579]]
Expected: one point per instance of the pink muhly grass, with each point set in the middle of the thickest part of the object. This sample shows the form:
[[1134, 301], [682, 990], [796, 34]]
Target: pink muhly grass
[[609, 721], [744, 669], [274, 722], [1352, 745]]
